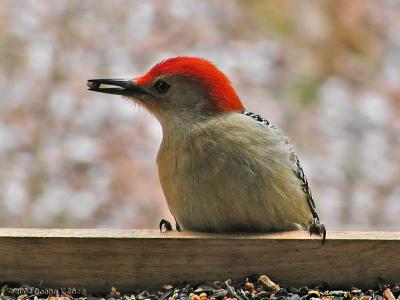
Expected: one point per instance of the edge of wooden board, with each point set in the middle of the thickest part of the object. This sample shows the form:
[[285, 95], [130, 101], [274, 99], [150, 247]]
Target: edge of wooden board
[[155, 234]]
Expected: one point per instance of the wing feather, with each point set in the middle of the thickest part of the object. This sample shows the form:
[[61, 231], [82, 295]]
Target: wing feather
[[298, 169]]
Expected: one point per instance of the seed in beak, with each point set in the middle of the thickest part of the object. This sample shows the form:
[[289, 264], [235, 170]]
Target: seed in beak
[[93, 84]]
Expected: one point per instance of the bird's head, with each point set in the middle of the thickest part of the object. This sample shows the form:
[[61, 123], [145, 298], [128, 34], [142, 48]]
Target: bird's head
[[176, 87]]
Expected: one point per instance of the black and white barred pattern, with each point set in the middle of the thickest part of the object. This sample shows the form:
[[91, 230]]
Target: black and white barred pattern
[[299, 171]]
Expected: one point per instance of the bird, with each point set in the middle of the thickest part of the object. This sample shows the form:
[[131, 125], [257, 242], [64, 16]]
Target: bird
[[222, 168]]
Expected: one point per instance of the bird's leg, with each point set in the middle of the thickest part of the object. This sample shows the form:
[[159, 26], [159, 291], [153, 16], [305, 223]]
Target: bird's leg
[[165, 224], [317, 227], [168, 227], [177, 226]]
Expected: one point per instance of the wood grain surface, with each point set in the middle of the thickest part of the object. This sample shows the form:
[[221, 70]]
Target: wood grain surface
[[96, 259]]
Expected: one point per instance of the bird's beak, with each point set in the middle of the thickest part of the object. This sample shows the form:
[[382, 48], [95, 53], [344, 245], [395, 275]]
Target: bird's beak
[[124, 87]]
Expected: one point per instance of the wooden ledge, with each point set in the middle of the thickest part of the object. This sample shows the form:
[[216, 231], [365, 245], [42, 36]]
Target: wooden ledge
[[155, 234], [96, 259]]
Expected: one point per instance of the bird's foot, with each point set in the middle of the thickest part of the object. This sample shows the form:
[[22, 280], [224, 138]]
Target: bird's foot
[[164, 224], [319, 228]]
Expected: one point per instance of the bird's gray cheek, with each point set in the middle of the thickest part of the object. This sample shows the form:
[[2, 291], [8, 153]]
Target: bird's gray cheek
[[160, 105], [148, 100]]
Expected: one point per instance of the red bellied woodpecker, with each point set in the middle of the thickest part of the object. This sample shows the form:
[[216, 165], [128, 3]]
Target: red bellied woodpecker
[[222, 168]]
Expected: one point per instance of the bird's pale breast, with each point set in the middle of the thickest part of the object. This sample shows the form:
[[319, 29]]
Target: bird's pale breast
[[231, 174]]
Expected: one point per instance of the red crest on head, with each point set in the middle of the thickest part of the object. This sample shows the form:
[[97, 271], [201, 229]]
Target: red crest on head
[[219, 87]]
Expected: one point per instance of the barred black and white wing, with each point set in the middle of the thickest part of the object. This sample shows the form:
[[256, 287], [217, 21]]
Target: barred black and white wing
[[315, 227]]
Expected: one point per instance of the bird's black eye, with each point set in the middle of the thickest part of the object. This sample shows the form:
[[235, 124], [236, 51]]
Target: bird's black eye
[[161, 86]]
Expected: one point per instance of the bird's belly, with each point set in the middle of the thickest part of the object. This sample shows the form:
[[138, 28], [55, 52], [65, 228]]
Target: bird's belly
[[223, 197]]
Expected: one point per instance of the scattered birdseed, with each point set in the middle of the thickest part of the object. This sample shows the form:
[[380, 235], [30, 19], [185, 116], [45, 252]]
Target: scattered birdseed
[[251, 288]]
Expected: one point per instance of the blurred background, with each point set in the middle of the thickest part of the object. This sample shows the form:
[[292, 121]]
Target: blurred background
[[327, 73]]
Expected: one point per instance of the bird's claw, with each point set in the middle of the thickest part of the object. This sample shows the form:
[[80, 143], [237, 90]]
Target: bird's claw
[[165, 224], [168, 227], [318, 228]]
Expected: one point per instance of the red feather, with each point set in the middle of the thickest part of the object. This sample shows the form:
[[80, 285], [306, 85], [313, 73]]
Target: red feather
[[219, 87]]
